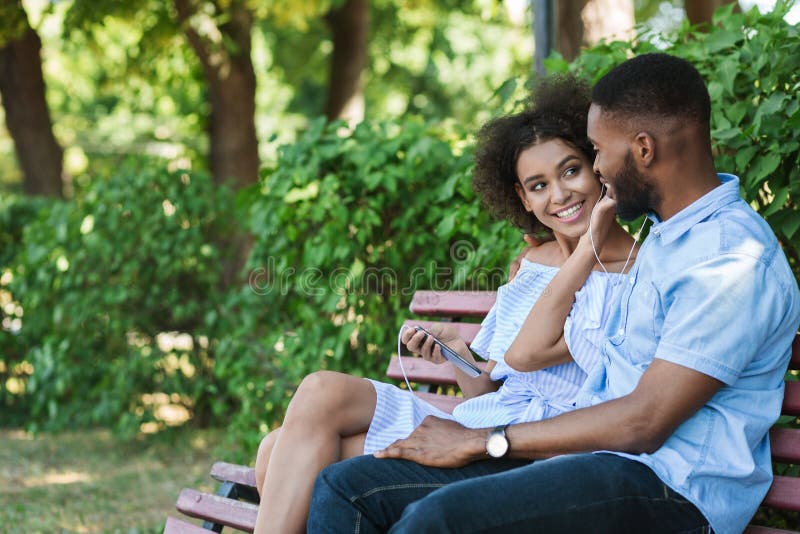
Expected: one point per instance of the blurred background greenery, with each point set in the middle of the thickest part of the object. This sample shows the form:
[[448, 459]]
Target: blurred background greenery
[[201, 201]]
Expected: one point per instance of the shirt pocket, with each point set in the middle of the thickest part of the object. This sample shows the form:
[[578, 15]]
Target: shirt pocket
[[638, 331]]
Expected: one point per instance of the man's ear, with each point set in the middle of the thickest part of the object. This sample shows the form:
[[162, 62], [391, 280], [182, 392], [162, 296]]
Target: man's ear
[[522, 197], [644, 148]]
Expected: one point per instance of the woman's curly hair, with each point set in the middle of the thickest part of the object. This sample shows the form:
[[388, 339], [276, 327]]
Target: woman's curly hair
[[557, 110]]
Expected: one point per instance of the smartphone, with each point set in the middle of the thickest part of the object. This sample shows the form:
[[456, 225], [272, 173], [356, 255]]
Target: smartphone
[[468, 368]]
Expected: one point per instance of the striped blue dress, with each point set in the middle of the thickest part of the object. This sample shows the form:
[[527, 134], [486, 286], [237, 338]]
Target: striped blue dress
[[523, 396]]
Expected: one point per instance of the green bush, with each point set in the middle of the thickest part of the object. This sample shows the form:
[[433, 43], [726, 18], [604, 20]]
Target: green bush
[[347, 225], [98, 279], [752, 68]]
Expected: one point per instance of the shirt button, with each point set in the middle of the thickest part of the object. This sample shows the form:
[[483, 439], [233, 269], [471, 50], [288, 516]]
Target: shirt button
[[620, 331], [631, 281]]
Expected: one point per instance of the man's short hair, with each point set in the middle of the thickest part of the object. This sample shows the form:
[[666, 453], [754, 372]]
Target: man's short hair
[[654, 85]]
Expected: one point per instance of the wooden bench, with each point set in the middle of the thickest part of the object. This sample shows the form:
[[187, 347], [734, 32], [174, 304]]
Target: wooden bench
[[235, 504]]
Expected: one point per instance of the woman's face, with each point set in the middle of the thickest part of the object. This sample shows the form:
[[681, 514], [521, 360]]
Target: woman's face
[[557, 184]]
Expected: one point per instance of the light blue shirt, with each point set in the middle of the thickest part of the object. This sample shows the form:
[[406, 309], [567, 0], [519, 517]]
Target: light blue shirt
[[711, 290]]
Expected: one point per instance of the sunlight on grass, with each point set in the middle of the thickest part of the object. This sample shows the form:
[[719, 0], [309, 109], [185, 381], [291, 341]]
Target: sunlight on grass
[[92, 482], [69, 477]]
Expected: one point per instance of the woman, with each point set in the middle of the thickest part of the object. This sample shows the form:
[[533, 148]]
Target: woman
[[535, 169]]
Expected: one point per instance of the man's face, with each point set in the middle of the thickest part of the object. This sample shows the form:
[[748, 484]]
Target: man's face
[[633, 190]]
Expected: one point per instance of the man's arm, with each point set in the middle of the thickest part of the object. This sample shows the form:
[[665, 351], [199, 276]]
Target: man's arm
[[665, 397]]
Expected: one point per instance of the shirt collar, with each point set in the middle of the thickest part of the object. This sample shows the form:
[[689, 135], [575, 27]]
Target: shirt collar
[[674, 227]]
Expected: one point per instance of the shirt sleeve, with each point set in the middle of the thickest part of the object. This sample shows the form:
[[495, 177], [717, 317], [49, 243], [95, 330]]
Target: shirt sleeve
[[717, 315]]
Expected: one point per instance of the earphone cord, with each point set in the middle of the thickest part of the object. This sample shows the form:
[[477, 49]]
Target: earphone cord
[[400, 357], [591, 238]]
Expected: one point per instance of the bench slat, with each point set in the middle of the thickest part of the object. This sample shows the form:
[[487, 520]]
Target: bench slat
[[423, 372], [791, 398], [794, 363], [235, 514], [239, 474], [176, 526], [755, 529], [452, 303], [784, 493], [785, 445]]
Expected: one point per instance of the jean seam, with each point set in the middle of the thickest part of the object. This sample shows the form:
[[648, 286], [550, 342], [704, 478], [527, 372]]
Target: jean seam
[[392, 487], [364, 495]]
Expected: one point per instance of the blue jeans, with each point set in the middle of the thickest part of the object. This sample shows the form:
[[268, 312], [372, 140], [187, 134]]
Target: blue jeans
[[575, 493]]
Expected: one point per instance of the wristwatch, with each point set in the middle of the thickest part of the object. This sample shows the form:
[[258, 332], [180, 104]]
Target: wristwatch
[[497, 443]]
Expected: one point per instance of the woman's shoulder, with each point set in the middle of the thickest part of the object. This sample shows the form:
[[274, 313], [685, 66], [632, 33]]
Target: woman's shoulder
[[547, 254]]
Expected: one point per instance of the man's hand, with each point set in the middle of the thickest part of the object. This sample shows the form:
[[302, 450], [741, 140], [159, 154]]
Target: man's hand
[[439, 443], [514, 267]]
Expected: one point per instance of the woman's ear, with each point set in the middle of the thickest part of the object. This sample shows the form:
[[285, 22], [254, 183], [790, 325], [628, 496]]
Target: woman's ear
[[521, 194]]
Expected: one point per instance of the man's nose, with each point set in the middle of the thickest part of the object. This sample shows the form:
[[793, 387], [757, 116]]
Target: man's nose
[[596, 169]]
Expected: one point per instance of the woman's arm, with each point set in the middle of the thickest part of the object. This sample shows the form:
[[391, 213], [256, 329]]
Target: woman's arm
[[422, 344], [540, 342]]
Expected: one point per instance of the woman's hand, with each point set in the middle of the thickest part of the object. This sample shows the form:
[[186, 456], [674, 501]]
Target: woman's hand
[[602, 218], [421, 343]]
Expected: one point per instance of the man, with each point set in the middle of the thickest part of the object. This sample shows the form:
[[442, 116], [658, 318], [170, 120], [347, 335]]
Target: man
[[692, 371]]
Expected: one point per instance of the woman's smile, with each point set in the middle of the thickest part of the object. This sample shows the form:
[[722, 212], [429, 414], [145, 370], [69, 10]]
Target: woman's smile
[[571, 213]]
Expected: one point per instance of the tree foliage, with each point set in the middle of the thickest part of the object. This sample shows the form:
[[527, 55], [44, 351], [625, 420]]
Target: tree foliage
[[750, 64], [347, 223]]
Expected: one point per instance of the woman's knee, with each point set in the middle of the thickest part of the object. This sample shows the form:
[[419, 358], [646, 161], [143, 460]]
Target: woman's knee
[[321, 394], [262, 457]]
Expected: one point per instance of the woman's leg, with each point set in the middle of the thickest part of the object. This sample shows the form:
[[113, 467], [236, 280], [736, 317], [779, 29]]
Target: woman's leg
[[262, 457], [351, 446], [326, 421]]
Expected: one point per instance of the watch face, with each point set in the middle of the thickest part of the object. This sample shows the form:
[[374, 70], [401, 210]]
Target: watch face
[[496, 445]]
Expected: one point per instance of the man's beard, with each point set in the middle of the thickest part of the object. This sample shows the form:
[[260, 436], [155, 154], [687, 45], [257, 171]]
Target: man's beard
[[633, 191]]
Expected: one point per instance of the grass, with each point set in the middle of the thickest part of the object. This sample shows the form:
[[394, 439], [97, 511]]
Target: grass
[[93, 482]]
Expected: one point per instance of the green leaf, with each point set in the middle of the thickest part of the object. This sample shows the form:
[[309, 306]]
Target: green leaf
[[791, 225], [778, 201], [772, 104], [726, 73], [763, 167], [744, 156], [722, 39], [736, 112], [724, 135]]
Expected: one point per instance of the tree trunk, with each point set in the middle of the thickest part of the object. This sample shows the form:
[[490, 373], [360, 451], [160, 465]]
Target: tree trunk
[[231, 80], [584, 22], [569, 28], [228, 70], [608, 19], [349, 26], [27, 116], [698, 11]]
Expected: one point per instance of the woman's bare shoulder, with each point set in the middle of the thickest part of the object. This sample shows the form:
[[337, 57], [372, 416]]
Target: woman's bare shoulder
[[548, 253]]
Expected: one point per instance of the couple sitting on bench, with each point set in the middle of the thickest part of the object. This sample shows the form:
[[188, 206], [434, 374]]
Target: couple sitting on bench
[[622, 391]]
